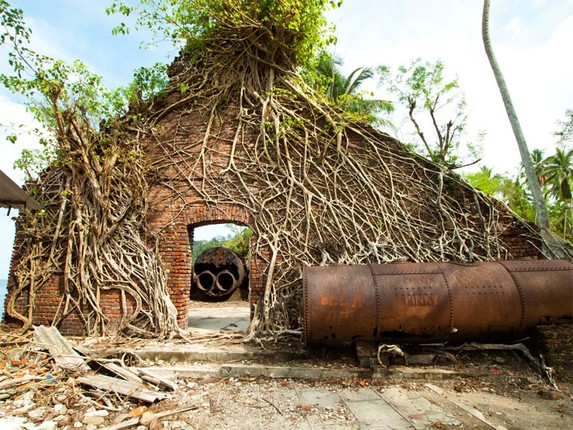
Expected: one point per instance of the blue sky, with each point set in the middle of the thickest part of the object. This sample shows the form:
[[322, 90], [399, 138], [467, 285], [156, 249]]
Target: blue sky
[[531, 39]]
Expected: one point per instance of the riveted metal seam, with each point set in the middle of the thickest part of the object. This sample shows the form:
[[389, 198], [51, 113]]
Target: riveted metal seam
[[306, 323], [520, 292], [450, 298], [377, 300], [404, 272]]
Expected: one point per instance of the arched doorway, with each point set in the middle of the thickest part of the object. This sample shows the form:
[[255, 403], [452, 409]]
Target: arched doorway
[[219, 292]]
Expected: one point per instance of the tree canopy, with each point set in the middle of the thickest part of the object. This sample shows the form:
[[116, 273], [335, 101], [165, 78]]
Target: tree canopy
[[323, 73], [283, 32], [436, 107]]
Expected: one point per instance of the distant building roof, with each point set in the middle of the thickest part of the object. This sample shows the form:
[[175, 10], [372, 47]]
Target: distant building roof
[[12, 196]]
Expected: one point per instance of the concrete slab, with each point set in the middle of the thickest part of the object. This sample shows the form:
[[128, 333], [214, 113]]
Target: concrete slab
[[226, 318], [357, 394], [418, 410], [378, 414], [238, 370], [199, 352], [320, 397], [255, 370], [405, 372], [294, 404]]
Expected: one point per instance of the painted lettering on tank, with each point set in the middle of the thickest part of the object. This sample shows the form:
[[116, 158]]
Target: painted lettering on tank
[[420, 299], [340, 300]]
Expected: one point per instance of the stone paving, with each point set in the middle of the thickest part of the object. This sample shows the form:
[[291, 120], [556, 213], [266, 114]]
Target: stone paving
[[229, 318], [235, 386], [324, 407]]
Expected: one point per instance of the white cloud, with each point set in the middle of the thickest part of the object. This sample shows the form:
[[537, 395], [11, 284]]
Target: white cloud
[[516, 26], [13, 114], [533, 57]]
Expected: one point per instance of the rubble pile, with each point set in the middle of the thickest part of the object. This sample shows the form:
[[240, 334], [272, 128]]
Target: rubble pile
[[46, 382], [51, 382]]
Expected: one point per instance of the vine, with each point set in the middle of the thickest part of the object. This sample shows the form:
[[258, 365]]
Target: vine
[[235, 125]]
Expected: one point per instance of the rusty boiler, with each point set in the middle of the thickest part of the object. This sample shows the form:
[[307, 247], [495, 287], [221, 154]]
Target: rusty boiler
[[434, 302], [218, 272]]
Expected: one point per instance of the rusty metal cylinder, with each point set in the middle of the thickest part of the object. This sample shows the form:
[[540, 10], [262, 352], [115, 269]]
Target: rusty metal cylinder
[[218, 272], [205, 280], [226, 281], [434, 302]]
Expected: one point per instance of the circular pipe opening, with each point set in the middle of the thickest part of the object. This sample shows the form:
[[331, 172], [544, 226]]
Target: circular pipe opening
[[226, 281], [205, 280]]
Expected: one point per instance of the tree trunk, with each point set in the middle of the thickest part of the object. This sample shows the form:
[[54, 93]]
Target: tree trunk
[[541, 208]]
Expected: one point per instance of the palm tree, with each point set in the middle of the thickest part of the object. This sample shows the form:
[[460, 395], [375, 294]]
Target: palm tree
[[542, 214], [345, 91], [558, 171], [538, 161]]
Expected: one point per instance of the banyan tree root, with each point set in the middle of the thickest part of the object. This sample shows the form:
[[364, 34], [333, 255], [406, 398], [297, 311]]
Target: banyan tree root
[[321, 189], [237, 126], [92, 235]]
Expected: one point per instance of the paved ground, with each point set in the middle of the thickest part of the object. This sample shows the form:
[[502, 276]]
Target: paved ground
[[235, 385], [232, 318], [254, 403], [233, 395]]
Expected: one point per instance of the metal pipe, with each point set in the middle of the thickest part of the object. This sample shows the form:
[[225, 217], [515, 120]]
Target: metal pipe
[[205, 280], [431, 302], [219, 272], [226, 281]]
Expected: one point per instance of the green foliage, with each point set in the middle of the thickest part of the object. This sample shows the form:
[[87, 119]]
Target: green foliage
[[16, 34], [295, 26], [504, 188], [147, 82], [56, 92], [238, 241], [324, 74], [435, 106], [558, 172], [555, 176], [33, 161]]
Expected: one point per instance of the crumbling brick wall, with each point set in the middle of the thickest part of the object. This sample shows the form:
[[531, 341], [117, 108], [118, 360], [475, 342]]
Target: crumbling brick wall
[[556, 343], [176, 207]]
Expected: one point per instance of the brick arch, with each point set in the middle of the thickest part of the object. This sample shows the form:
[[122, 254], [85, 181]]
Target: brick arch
[[174, 223], [191, 229]]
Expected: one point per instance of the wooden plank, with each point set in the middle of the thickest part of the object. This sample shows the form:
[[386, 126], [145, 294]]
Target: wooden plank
[[161, 382], [59, 348], [19, 381], [119, 386], [114, 369], [122, 372]]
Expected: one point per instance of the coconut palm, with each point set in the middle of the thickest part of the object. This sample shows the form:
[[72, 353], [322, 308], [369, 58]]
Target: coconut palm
[[345, 91], [542, 214], [538, 160], [558, 170], [558, 173]]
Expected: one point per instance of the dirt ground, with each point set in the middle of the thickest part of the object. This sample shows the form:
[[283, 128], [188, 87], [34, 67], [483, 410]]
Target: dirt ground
[[501, 386]]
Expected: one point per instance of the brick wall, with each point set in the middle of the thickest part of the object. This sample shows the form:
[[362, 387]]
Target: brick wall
[[176, 224], [181, 198], [555, 341]]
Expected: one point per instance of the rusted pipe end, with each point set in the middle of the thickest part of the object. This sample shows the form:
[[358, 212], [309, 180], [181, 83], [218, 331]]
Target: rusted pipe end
[[206, 280], [226, 281]]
